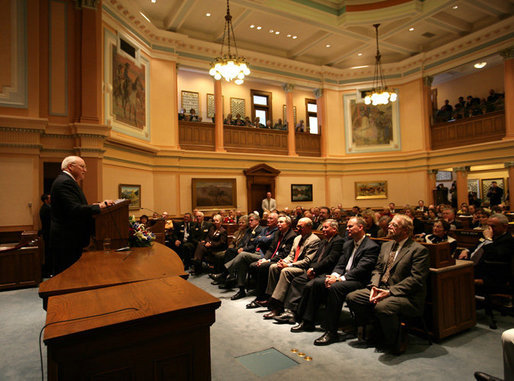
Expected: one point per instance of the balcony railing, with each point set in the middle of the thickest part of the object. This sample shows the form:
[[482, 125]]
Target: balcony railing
[[477, 129], [200, 136]]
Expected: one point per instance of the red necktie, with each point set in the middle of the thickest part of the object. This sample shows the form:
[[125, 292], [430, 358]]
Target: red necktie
[[278, 245], [297, 254]]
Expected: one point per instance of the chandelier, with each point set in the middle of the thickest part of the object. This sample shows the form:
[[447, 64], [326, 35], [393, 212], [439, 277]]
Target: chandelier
[[379, 94], [229, 66]]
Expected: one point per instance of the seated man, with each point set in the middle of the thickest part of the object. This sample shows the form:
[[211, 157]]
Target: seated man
[[181, 240], [449, 216], [324, 214], [246, 244], [281, 274], [398, 285], [215, 241], [238, 268], [200, 229], [329, 251], [352, 271]]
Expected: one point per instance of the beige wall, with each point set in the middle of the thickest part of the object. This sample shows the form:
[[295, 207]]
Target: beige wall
[[477, 84]]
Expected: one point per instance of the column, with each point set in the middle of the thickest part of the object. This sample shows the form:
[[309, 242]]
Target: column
[[175, 107], [218, 118], [427, 112], [510, 181], [291, 137], [90, 62], [320, 102], [508, 81], [431, 185], [462, 185]]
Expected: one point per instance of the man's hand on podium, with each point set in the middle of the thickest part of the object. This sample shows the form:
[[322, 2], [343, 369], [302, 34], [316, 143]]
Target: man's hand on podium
[[105, 203]]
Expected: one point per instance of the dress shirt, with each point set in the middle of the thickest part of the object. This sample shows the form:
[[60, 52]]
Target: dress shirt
[[350, 261]]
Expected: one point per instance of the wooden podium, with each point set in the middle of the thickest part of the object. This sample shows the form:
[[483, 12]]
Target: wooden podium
[[112, 223]]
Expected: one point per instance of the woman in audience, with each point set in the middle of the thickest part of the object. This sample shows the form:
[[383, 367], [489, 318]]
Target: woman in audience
[[432, 214], [238, 121], [383, 224], [419, 227], [143, 219], [479, 221], [371, 223], [193, 117], [464, 210], [440, 234]]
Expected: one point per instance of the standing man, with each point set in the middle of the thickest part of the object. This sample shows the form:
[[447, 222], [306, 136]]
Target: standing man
[[495, 194], [268, 204], [397, 287], [72, 218], [45, 214]]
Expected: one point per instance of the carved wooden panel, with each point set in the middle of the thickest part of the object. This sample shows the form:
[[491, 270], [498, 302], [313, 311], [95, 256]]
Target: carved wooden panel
[[196, 136], [308, 144], [246, 139], [478, 129], [190, 99], [237, 106]]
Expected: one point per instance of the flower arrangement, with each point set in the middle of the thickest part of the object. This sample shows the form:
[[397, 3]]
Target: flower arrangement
[[139, 236]]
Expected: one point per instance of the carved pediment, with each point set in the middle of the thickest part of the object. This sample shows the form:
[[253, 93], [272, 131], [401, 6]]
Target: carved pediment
[[261, 170]]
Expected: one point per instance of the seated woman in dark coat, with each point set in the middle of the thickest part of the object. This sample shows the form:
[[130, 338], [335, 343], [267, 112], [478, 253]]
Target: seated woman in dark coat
[[440, 234]]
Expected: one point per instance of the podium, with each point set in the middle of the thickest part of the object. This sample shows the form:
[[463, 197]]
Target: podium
[[112, 223]]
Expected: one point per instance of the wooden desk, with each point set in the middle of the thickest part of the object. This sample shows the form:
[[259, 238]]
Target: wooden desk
[[150, 330], [450, 306], [97, 269]]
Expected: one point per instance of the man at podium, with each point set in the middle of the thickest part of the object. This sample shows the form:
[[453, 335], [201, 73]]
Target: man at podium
[[72, 217]]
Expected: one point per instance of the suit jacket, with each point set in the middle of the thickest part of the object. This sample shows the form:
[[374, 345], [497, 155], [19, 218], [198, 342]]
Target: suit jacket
[[307, 251], [218, 239], [199, 232], [409, 272], [331, 252], [272, 204], [495, 264], [285, 246], [249, 241], [72, 218], [363, 262], [180, 229], [264, 239]]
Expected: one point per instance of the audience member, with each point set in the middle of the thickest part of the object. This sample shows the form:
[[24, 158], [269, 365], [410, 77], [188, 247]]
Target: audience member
[[193, 117], [182, 240], [324, 214], [300, 127], [329, 251], [495, 194], [352, 272], [215, 241], [448, 215], [281, 274], [383, 223], [398, 285], [371, 228], [419, 227], [439, 234]]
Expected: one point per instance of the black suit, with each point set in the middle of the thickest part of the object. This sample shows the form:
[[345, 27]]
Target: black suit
[[45, 214], [187, 245], [72, 221], [494, 267], [326, 258], [357, 276]]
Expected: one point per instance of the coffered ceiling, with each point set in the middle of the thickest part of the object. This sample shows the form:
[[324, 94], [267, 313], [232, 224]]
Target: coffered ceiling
[[337, 33]]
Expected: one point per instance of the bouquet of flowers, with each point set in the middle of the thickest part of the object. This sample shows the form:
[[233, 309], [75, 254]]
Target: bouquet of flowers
[[138, 235]]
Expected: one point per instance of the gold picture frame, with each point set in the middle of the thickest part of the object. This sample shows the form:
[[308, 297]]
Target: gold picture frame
[[131, 192], [214, 193], [368, 190]]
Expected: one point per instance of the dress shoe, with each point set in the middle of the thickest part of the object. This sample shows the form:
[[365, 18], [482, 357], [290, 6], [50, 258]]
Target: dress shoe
[[481, 376], [262, 303], [226, 285], [327, 338], [240, 294], [271, 315], [303, 327], [286, 317], [253, 304], [401, 343], [220, 276]]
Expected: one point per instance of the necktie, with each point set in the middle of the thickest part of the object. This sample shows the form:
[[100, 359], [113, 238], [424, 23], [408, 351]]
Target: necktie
[[297, 254], [390, 260], [278, 245], [322, 253]]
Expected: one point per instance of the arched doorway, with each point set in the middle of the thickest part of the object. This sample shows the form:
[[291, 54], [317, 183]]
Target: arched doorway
[[260, 179]]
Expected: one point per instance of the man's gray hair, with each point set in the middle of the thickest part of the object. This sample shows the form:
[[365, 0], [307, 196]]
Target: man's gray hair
[[307, 221], [502, 219], [332, 223], [287, 218], [360, 221], [67, 161], [406, 223]]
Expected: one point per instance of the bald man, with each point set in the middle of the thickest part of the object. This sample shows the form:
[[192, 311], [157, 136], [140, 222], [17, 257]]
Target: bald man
[[72, 217]]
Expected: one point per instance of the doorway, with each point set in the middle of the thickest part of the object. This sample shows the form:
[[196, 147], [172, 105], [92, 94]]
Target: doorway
[[260, 179]]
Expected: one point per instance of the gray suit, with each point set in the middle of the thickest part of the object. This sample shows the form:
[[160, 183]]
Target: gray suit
[[406, 283], [280, 279]]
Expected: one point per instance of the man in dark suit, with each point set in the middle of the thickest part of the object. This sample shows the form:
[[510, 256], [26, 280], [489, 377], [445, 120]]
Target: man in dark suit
[[329, 251], [495, 194], [397, 287], [183, 239], [72, 218], [352, 271], [45, 215]]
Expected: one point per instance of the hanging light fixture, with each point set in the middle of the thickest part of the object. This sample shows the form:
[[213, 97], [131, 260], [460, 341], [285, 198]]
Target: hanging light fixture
[[379, 94], [229, 66]]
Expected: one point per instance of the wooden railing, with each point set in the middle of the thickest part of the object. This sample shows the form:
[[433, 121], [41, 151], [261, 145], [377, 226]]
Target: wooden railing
[[258, 140], [477, 129], [200, 136], [308, 144]]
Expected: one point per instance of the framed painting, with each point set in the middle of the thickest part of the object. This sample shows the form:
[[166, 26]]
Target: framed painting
[[486, 184], [370, 128], [443, 176], [127, 84], [237, 106], [214, 193], [301, 192], [131, 192], [190, 100], [367, 190]]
